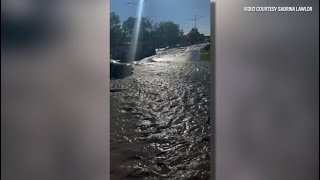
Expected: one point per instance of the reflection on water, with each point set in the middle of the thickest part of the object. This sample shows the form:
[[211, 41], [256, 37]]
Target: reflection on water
[[159, 118]]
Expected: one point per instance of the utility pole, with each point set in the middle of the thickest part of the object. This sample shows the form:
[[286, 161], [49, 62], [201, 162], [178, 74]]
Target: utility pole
[[195, 20]]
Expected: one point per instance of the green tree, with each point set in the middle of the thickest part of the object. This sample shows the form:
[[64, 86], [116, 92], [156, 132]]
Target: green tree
[[195, 37], [145, 30], [167, 33], [128, 27], [115, 30]]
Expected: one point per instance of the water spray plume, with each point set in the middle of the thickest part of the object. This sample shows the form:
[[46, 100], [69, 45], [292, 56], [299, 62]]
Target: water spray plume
[[135, 38]]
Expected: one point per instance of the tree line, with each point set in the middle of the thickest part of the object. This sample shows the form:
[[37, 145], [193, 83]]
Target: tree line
[[158, 35]]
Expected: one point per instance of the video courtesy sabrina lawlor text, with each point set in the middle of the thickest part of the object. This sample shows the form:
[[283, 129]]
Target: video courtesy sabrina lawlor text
[[277, 9]]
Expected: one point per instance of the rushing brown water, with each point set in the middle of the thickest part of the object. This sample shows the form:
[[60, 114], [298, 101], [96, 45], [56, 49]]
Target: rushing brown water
[[160, 118]]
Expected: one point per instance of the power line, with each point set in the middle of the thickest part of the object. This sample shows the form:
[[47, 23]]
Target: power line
[[195, 20]]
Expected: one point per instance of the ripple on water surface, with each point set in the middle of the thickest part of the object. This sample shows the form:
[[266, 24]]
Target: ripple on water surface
[[159, 121]]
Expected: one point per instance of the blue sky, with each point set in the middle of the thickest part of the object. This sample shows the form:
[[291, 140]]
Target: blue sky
[[178, 11]]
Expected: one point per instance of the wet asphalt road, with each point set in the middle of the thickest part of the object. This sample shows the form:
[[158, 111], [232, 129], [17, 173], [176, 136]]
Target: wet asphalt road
[[160, 118]]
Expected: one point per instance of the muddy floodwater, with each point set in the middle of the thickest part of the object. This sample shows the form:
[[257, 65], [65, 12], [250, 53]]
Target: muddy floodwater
[[160, 125]]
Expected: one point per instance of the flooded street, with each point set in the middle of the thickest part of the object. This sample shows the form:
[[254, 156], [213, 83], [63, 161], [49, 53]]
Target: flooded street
[[160, 118]]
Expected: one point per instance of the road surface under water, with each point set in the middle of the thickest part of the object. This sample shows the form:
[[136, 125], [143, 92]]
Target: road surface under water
[[160, 118]]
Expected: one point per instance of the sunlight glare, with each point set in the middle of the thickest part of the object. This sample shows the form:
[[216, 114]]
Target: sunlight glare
[[135, 38]]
